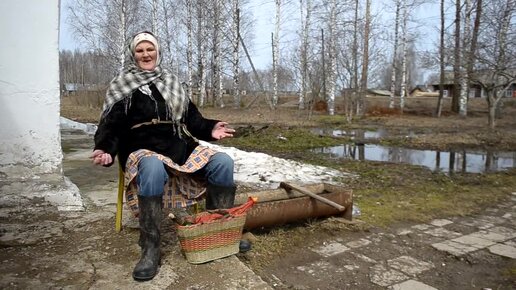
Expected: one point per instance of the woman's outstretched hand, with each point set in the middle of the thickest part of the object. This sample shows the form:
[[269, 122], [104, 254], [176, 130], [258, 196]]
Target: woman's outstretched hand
[[101, 158], [221, 131]]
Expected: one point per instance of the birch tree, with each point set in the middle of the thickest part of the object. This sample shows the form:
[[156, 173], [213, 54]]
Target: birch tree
[[275, 54], [105, 25], [236, 48], [189, 48], [474, 40], [155, 17], [395, 53], [404, 46], [306, 10], [217, 60], [332, 55], [497, 54], [457, 59], [201, 44], [167, 28], [441, 63], [350, 99], [365, 62], [463, 99]]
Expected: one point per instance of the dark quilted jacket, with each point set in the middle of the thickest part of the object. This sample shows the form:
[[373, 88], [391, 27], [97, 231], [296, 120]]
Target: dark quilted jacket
[[115, 136]]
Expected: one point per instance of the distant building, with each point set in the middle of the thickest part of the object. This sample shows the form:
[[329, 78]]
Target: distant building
[[378, 93], [423, 91], [475, 90], [70, 88]]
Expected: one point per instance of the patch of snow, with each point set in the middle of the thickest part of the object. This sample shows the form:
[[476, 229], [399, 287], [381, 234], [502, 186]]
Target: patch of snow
[[68, 124], [254, 168]]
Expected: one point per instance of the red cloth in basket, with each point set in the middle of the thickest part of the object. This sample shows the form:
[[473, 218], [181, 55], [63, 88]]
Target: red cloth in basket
[[221, 213]]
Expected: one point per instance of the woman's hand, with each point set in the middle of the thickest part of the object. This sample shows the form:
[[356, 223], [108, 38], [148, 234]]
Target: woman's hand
[[101, 158], [221, 131]]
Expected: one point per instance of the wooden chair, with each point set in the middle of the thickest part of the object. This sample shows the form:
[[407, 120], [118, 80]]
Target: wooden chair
[[120, 200]]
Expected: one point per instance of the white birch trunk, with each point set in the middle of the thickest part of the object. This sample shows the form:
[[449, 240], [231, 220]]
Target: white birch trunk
[[189, 48], [332, 57], [361, 104], [166, 39], [275, 55], [217, 81], [404, 58], [155, 17], [394, 54], [122, 35], [236, 56], [201, 55], [303, 57], [354, 53], [466, 37]]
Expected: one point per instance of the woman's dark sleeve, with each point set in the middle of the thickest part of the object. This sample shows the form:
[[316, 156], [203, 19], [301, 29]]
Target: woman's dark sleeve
[[199, 126], [108, 134]]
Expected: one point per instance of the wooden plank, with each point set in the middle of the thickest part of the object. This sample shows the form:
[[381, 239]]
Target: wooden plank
[[277, 194], [313, 195]]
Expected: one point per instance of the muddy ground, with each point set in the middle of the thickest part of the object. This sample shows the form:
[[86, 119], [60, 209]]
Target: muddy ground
[[392, 197]]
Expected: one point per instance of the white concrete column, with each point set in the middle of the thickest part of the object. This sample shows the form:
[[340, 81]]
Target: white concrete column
[[30, 140], [29, 88]]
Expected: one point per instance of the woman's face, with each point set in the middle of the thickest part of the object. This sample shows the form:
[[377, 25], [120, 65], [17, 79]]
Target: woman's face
[[145, 54]]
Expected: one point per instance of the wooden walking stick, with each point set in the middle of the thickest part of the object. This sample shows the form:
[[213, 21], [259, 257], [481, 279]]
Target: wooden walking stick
[[289, 186]]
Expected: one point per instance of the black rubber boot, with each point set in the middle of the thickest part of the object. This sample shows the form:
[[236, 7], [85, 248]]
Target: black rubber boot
[[223, 197], [150, 222], [220, 197]]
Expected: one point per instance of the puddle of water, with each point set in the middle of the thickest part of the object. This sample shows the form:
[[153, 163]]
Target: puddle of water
[[468, 162], [355, 134]]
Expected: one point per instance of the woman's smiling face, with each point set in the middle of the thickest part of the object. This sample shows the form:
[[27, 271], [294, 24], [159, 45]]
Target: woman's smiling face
[[145, 54]]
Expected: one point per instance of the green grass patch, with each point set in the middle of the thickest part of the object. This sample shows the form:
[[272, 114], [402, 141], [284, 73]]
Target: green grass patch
[[281, 140]]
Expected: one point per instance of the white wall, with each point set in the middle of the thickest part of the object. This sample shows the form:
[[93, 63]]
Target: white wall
[[29, 88]]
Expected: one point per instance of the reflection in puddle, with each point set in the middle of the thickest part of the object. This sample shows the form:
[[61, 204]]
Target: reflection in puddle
[[355, 134], [471, 162]]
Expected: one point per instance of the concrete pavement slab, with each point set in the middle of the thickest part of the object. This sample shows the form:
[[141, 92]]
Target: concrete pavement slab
[[440, 222], [442, 233], [381, 275], [454, 248], [331, 249], [411, 285], [503, 250], [474, 241], [410, 265]]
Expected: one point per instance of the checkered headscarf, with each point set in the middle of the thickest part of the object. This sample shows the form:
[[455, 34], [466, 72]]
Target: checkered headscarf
[[132, 77]]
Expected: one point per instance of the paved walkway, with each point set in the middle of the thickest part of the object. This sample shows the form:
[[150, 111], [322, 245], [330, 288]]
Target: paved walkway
[[494, 233]]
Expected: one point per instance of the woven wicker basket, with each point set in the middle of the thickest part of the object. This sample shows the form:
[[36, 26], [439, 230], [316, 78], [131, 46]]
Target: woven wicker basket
[[213, 240]]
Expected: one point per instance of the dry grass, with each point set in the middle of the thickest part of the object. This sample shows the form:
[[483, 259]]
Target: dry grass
[[418, 112]]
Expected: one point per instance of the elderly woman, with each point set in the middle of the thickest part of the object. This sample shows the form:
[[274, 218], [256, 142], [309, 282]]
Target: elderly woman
[[153, 128]]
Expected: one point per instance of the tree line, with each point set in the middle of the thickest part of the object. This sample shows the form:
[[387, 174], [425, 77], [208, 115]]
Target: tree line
[[318, 47]]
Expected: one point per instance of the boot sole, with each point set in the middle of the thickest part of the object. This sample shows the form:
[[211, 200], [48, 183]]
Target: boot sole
[[144, 278]]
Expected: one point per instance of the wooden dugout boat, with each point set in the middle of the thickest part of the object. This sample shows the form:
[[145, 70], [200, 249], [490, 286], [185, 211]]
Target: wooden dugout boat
[[285, 204]]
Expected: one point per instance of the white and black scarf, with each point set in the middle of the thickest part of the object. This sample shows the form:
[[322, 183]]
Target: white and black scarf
[[132, 78]]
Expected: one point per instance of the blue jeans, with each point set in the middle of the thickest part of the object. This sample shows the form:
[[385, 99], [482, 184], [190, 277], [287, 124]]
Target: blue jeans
[[152, 175]]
